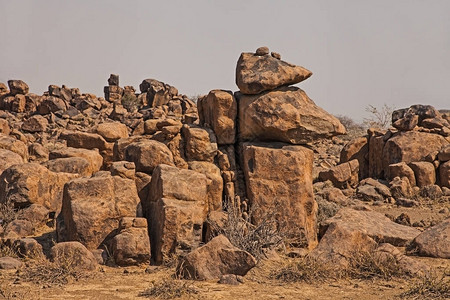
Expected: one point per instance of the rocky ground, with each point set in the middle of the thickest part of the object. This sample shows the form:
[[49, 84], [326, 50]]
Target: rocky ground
[[256, 194]]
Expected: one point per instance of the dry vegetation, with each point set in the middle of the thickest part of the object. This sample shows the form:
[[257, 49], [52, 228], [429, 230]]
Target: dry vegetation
[[170, 288], [430, 286]]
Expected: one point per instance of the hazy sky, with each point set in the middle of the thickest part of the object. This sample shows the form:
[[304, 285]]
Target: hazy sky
[[361, 52]]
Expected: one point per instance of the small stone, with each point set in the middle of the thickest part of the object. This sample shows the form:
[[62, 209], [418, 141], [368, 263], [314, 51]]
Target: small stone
[[261, 51], [276, 55], [231, 279]]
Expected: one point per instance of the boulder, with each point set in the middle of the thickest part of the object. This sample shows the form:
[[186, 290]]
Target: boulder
[[19, 229], [214, 185], [131, 246], [422, 111], [175, 210], [216, 258], [36, 123], [27, 247], [444, 174], [18, 87], [113, 79], [92, 156], [51, 104], [4, 127], [410, 146], [93, 207], [402, 169], [111, 131], [444, 154], [74, 165], [200, 143], [357, 149], [9, 263], [8, 159], [285, 114], [256, 73], [31, 183], [219, 111], [376, 146], [374, 224], [424, 172], [400, 187], [14, 145], [73, 255], [278, 178], [435, 241], [79, 139], [343, 175], [147, 154], [124, 169], [407, 122]]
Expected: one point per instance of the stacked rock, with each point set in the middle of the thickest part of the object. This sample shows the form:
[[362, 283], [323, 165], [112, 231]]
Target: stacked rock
[[113, 92]]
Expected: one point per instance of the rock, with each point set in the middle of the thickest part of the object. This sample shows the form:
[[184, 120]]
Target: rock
[[73, 254], [444, 174], [275, 55], [214, 185], [357, 149], [200, 144], [368, 192], [401, 169], [8, 159], [124, 169], [285, 114], [216, 258], [14, 145], [18, 87], [74, 165], [142, 181], [261, 51], [424, 172], [37, 214], [175, 210], [386, 253], [38, 153], [433, 123], [231, 279], [334, 195], [111, 131], [435, 241], [31, 183], [343, 175], [36, 123], [410, 146], [27, 247], [51, 104], [92, 156], [256, 74], [113, 79], [9, 263], [4, 127], [375, 225], [84, 140], [405, 202], [92, 208], [376, 146], [400, 187], [219, 110], [147, 154], [278, 178], [132, 245], [19, 228], [422, 111], [407, 123], [444, 154]]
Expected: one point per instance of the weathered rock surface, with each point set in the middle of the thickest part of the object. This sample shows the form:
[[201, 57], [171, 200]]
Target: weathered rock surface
[[285, 114], [375, 225], [18, 87], [93, 207], [92, 156], [73, 254], [201, 143], [279, 183], [357, 149], [36, 123], [219, 111], [435, 241], [147, 154], [74, 165], [216, 258], [343, 175], [9, 158], [424, 172], [444, 174], [402, 169], [79, 139], [214, 185], [8, 263], [256, 73], [14, 145], [111, 131]]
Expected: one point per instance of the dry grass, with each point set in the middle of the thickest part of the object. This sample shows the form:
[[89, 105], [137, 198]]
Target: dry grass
[[7, 213], [170, 288], [431, 286], [10, 292], [369, 265], [7, 250], [60, 272], [306, 269]]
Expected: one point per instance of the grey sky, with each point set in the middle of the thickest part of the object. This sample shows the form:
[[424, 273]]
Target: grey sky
[[361, 52]]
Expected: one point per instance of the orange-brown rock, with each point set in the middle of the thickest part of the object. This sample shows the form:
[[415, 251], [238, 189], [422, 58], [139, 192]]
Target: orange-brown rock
[[51, 104], [4, 127], [279, 184], [92, 156], [74, 165], [444, 154], [376, 145], [131, 246], [343, 175], [74, 255], [285, 114], [256, 74], [147, 154], [79, 139], [9, 158], [435, 241], [410, 146], [111, 131], [218, 257], [401, 187], [402, 169], [175, 210], [200, 143], [93, 207], [18, 87], [424, 172], [357, 149], [36, 123], [31, 183], [14, 145], [219, 111], [444, 174], [214, 185]]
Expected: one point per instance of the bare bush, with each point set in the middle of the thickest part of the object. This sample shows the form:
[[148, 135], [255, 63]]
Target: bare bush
[[7, 213], [430, 286], [130, 102], [305, 269], [170, 288], [370, 264], [379, 117]]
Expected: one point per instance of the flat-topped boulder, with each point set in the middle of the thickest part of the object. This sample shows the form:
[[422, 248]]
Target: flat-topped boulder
[[258, 73]]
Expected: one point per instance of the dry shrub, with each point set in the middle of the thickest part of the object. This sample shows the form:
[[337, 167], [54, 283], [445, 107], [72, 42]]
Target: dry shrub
[[60, 272], [170, 288], [130, 102], [7, 250], [379, 117], [255, 239], [430, 286], [7, 213], [326, 209], [370, 264], [305, 269]]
